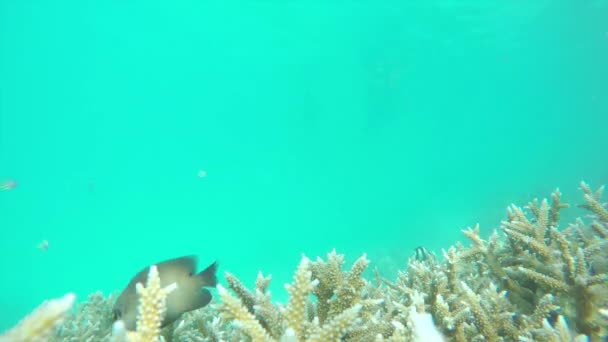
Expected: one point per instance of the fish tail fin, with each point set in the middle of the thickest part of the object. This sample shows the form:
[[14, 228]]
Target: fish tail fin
[[208, 276]]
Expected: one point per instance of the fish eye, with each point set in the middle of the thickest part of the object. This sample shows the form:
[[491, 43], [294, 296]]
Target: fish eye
[[116, 314]]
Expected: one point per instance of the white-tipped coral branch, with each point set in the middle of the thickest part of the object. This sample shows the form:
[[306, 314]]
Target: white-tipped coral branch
[[237, 312], [40, 324], [152, 306]]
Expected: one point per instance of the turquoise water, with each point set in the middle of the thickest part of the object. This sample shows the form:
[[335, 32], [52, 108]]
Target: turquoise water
[[368, 126]]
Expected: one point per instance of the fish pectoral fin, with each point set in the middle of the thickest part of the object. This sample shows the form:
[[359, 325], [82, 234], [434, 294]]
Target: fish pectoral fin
[[203, 299], [194, 301]]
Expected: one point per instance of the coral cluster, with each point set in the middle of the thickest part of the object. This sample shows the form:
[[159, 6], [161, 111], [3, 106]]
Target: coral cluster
[[533, 283], [530, 280], [343, 294], [90, 322]]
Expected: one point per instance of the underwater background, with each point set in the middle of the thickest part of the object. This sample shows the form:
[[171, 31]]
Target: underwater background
[[253, 132]]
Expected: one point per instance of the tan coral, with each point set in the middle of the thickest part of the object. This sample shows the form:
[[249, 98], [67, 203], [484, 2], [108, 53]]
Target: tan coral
[[534, 279], [152, 307], [298, 321], [39, 325], [234, 310], [295, 312]]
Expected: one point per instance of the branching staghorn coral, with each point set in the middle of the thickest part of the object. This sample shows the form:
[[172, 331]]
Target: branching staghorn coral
[[202, 325], [262, 321], [346, 307], [557, 261], [91, 322], [533, 279], [525, 285], [41, 323], [152, 306]]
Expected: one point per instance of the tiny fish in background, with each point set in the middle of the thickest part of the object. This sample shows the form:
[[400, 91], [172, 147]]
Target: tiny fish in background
[[43, 246], [189, 294], [8, 184]]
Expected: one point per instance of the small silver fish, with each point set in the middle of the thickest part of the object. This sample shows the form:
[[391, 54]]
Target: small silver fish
[[189, 294]]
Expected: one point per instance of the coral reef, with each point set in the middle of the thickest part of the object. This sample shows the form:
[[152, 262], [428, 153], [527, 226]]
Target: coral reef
[[532, 279]]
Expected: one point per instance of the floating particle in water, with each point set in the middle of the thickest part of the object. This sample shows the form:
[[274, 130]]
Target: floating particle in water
[[43, 246], [8, 184], [202, 173]]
